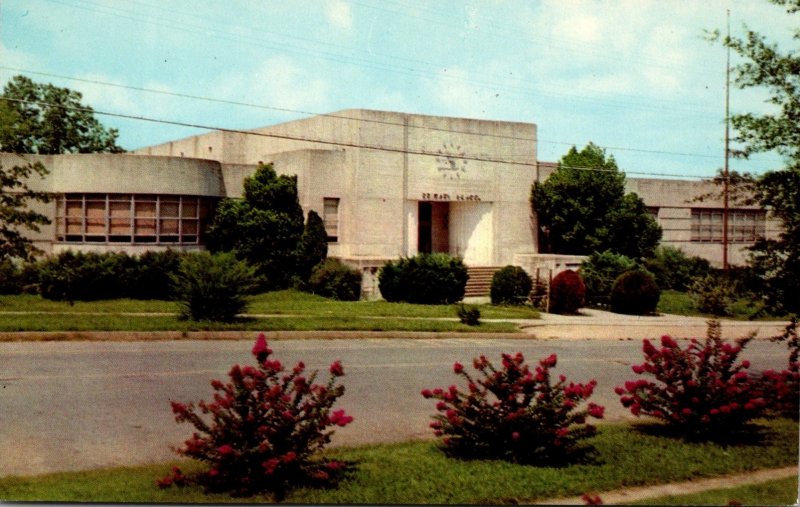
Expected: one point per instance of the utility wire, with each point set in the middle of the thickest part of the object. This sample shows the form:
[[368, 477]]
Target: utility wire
[[335, 143], [339, 116]]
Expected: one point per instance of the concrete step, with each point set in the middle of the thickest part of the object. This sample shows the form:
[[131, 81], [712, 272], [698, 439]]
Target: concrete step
[[480, 280]]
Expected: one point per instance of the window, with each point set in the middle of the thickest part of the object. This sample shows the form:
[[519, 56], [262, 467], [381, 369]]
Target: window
[[126, 218], [330, 215], [744, 226]]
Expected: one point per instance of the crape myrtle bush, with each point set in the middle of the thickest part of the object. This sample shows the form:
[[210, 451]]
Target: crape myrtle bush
[[333, 279], [513, 413], [600, 271], [267, 424], [567, 292], [701, 390], [425, 279], [635, 293], [783, 387], [213, 287], [77, 276], [511, 285]]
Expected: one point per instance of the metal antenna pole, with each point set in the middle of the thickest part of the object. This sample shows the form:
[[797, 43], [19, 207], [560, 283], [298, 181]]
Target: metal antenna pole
[[725, 177]]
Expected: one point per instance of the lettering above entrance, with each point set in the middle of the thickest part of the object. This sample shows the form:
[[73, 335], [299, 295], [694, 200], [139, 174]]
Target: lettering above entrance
[[451, 163], [428, 196]]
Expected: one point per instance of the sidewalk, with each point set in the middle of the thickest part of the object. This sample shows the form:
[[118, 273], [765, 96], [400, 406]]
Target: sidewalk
[[627, 496]]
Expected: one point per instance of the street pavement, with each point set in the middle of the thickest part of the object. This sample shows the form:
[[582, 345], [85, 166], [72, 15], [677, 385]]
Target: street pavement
[[79, 405]]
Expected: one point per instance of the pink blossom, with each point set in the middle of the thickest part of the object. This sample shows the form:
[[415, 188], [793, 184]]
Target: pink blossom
[[668, 342], [260, 349], [458, 368], [596, 411], [270, 465], [336, 369], [339, 418], [515, 435], [426, 393], [638, 369], [549, 362], [225, 450]]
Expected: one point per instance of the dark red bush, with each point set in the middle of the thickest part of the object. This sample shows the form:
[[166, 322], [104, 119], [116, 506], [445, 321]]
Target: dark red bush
[[513, 413], [701, 390], [567, 292], [266, 426], [782, 388]]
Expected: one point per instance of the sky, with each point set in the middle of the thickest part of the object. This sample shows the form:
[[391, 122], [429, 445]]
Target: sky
[[638, 78]]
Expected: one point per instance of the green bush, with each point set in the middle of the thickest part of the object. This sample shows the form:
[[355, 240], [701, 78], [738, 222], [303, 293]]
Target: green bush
[[212, 287], [567, 292], [675, 270], [313, 246], [712, 294], [600, 271], [10, 277], [469, 315], [333, 279], [635, 293], [424, 279], [152, 278], [510, 286]]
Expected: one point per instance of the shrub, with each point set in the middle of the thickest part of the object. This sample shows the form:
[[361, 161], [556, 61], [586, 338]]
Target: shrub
[[510, 286], [153, 275], [333, 279], [470, 316], [567, 292], [425, 279], [513, 413], [783, 388], [701, 391], [539, 295], [313, 246], [635, 293], [600, 271], [675, 270], [10, 277], [712, 294], [212, 287], [266, 427]]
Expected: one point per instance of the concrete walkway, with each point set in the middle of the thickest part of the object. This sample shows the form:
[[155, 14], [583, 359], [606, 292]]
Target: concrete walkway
[[630, 495]]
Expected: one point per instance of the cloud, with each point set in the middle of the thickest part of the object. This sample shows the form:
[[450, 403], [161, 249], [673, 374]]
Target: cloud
[[339, 14]]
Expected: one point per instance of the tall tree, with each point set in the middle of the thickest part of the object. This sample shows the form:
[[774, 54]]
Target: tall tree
[[263, 228], [15, 213], [45, 119], [777, 261], [582, 208]]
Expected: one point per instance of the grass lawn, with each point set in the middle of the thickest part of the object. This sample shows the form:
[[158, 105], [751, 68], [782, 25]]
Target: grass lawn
[[290, 310], [418, 473], [680, 303], [777, 492]]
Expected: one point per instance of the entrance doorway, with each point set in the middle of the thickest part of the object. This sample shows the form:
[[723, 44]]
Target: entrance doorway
[[434, 227]]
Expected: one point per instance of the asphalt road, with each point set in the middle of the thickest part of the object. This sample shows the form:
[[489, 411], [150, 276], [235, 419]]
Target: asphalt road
[[79, 405]]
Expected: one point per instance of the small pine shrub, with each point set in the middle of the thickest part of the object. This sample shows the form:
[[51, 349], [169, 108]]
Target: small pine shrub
[[712, 294], [635, 293], [600, 271], [511, 285], [313, 246], [513, 413], [333, 279], [701, 390], [424, 279], [212, 287], [470, 316], [567, 292], [266, 428]]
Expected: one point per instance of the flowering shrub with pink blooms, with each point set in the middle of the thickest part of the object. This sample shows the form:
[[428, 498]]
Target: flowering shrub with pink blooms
[[513, 413], [265, 427], [782, 388], [701, 390]]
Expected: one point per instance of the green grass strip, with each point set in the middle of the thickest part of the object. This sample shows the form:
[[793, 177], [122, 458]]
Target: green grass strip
[[777, 492], [418, 473]]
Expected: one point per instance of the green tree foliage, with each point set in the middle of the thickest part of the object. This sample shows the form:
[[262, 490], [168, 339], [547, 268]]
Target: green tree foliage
[[765, 66], [313, 247], [15, 213], [263, 228], [674, 269], [45, 119], [600, 271], [582, 208]]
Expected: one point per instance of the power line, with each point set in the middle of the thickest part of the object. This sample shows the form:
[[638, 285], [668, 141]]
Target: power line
[[391, 149], [339, 116]]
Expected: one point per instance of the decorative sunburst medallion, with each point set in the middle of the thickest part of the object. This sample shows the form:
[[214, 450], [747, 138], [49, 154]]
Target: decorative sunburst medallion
[[450, 162]]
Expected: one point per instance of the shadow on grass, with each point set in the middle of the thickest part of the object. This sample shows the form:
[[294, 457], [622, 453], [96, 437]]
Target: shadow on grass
[[579, 455], [749, 434]]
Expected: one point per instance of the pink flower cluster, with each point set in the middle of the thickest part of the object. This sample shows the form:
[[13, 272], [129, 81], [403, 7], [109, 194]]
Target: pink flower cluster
[[515, 413], [700, 389], [265, 426]]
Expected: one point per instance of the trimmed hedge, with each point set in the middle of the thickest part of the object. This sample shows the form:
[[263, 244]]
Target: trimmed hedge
[[510, 286], [333, 279], [424, 279], [567, 292], [635, 293]]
